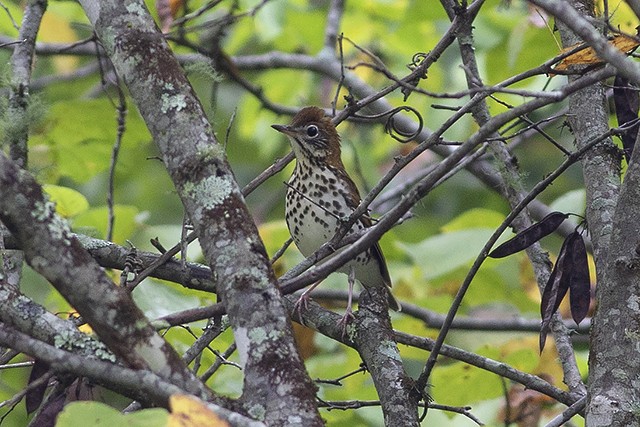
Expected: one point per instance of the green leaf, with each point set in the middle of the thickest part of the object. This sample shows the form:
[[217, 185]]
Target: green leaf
[[524, 359], [302, 30], [274, 234], [157, 299], [125, 221], [444, 253], [475, 218], [521, 354], [570, 202], [98, 414], [460, 243], [80, 136], [470, 384], [499, 286], [269, 22], [333, 365], [6, 26], [69, 202]]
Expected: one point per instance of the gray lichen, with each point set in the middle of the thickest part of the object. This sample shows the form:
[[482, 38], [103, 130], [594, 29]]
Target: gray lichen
[[85, 344], [57, 226], [212, 190], [173, 102], [257, 412]]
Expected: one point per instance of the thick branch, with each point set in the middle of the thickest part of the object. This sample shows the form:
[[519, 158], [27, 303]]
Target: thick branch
[[21, 64], [376, 344], [614, 366], [276, 385], [601, 167], [326, 322]]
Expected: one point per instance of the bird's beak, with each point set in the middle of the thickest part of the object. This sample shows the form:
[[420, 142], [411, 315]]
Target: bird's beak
[[287, 130]]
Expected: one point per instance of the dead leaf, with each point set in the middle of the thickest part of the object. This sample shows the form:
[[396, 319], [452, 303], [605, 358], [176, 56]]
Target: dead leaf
[[188, 411], [525, 406], [588, 56], [305, 340]]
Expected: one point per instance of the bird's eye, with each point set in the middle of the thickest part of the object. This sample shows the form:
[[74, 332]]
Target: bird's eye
[[312, 131]]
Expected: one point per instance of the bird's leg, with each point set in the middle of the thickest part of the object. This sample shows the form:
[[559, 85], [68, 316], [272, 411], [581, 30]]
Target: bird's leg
[[348, 315], [303, 301]]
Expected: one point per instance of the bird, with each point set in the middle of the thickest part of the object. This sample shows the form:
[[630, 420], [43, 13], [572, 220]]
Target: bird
[[320, 195]]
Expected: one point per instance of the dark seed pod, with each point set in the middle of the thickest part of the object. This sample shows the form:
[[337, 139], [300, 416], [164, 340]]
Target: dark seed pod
[[530, 235], [557, 286], [580, 283], [35, 395], [625, 97]]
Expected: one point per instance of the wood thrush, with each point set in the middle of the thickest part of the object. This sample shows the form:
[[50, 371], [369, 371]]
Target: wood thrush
[[320, 195]]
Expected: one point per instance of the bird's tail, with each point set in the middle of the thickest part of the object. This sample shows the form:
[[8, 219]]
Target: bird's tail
[[393, 302]]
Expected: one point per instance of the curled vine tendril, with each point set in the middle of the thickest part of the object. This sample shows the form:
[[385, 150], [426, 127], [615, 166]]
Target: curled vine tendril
[[398, 134], [390, 125], [416, 60]]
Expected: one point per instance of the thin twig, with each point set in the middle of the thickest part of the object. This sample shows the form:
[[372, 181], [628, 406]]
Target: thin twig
[[568, 413], [122, 114]]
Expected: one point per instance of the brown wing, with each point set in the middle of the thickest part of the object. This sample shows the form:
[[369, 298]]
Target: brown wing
[[353, 200]]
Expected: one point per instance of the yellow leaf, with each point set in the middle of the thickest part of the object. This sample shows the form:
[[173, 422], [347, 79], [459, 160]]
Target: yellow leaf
[[588, 56], [56, 28], [188, 411], [69, 202], [621, 16], [274, 234], [84, 328]]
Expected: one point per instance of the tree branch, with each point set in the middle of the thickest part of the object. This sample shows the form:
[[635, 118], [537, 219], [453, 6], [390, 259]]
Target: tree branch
[[214, 204]]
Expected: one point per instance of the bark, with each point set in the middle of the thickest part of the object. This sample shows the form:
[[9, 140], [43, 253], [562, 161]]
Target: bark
[[614, 365], [277, 389], [21, 65], [138, 384], [376, 344], [327, 323], [17, 127]]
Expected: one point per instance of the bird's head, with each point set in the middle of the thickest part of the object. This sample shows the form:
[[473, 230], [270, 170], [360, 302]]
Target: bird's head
[[313, 137]]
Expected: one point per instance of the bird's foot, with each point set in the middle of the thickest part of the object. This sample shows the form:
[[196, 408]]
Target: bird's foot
[[344, 321], [301, 305], [303, 302]]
